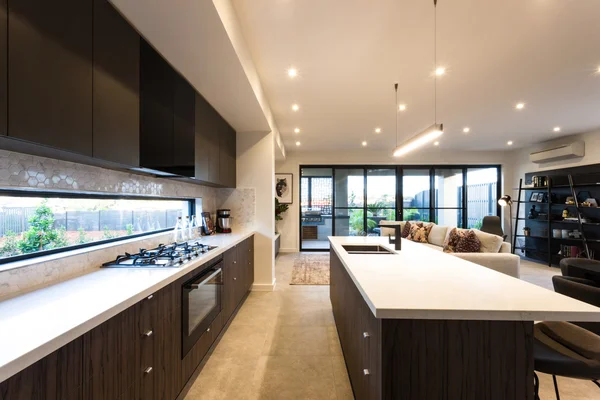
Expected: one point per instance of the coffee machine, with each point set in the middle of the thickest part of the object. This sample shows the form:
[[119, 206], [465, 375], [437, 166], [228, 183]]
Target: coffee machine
[[224, 221]]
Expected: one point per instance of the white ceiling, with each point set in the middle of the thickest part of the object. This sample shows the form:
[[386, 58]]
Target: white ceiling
[[349, 53]]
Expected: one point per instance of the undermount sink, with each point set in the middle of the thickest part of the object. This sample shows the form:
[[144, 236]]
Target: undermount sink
[[366, 249]]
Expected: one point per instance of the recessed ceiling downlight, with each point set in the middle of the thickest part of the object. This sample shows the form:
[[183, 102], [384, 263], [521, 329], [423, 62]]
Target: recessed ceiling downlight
[[292, 72], [510, 143], [466, 129], [298, 143], [556, 129], [439, 71], [297, 130], [436, 143], [402, 107], [520, 106], [377, 130], [364, 143], [295, 107]]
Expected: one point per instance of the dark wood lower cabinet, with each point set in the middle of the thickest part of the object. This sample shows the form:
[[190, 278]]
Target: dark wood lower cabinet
[[429, 359], [57, 376], [136, 354]]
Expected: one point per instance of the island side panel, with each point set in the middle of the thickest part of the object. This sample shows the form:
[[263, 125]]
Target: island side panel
[[443, 359]]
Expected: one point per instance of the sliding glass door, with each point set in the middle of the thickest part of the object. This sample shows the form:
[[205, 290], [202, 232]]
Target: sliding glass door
[[353, 200], [316, 206]]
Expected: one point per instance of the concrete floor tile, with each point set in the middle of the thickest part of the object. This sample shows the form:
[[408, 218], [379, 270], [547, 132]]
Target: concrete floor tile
[[296, 340], [242, 340], [295, 377]]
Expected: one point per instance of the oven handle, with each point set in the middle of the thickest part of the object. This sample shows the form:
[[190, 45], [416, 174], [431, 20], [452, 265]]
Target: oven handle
[[193, 286]]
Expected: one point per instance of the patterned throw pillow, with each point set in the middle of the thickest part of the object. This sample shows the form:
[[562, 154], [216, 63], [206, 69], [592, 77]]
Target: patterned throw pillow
[[406, 230], [452, 240], [419, 232], [468, 243]]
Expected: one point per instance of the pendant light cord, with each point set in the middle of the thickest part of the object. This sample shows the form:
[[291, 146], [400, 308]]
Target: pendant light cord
[[435, 61], [396, 111]]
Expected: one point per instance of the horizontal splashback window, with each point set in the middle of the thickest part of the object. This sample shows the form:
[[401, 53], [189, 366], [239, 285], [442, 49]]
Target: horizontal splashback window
[[34, 225]]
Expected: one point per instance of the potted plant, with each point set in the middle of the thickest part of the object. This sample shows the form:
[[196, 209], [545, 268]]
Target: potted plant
[[279, 209]]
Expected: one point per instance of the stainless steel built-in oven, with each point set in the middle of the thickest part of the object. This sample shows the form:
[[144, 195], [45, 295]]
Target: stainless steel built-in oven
[[201, 303]]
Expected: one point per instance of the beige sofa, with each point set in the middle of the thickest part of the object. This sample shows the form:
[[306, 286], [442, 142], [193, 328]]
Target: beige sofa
[[495, 253]]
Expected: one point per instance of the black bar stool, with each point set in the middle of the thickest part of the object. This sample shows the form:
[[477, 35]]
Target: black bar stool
[[566, 349]]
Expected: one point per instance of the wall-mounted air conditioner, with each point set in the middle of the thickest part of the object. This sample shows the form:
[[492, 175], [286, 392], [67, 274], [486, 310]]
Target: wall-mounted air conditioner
[[562, 152]]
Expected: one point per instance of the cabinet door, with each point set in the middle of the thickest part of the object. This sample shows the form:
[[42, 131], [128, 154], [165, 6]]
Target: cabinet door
[[242, 260], [202, 129], [109, 365], [226, 154], [230, 277], [3, 66], [116, 124], [213, 142], [156, 109], [50, 80], [56, 376], [250, 262], [184, 99]]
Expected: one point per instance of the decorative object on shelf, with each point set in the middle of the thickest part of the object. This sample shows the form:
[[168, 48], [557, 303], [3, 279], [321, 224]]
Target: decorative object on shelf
[[583, 196], [434, 131], [542, 198], [533, 213], [504, 201], [284, 188], [565, 213], [575, 234], [570, 201], [556, 233], [540, 181], [526, 231], [565, 233], [534, 197], [590, 202]]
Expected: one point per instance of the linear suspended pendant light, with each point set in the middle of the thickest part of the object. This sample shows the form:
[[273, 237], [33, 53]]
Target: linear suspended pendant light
[[434, 131]]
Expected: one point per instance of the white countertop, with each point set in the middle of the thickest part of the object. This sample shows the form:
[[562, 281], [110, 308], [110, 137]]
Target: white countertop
[[36, 324], [422, 283]]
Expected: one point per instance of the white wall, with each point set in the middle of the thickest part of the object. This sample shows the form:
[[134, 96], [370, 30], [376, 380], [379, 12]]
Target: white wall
[[522, 165], [289, 227], [256, 169]]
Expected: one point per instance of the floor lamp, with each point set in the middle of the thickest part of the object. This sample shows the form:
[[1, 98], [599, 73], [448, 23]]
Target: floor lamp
[[504, 201]]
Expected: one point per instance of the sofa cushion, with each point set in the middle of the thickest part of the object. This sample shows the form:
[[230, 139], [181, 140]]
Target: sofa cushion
[[406, 230], [452, 238], [437, 235], [419, 232], [468, 243], [489, 243]]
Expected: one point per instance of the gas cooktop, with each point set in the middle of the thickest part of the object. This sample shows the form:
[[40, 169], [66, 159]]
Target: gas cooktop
[[164, 256]]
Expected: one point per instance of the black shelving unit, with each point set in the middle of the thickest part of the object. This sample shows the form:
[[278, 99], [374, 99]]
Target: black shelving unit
[[548, 251]]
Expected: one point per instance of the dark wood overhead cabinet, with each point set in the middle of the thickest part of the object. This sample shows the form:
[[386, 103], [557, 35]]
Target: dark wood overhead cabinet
[[3, 66], [50, 78], [116, 87]]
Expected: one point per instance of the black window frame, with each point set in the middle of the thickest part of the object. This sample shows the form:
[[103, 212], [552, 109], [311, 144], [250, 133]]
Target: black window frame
[[86, 195], [399, 189]]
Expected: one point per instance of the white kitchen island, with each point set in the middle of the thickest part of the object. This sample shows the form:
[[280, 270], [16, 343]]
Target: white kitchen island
[[421, 324]]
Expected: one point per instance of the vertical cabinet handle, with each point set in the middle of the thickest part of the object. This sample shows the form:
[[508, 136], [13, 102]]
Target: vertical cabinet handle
[[150, 297], [366, 372], [148, 370], [366, 335], [148, 333], [234, 278], [208, 330], [235, 262]]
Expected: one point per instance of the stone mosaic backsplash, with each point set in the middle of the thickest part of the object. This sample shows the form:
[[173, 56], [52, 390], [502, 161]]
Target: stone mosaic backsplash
[[33, 172]]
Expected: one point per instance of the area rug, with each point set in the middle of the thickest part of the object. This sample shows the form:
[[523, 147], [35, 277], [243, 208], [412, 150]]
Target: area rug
[[311, 269]]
